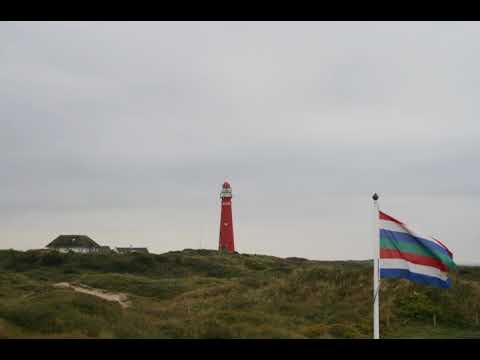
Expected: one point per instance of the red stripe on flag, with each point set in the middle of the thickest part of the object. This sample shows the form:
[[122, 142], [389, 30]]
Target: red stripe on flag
[[451, 255], [413, 258], [384, 216]]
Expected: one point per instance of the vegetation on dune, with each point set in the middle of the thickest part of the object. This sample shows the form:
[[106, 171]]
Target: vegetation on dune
[[209, 294]]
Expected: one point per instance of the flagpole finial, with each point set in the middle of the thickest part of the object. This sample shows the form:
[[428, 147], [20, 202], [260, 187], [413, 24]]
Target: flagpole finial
[[375, 197]]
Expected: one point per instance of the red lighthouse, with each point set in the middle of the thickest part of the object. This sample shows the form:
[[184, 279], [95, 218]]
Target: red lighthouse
[[226, 223]]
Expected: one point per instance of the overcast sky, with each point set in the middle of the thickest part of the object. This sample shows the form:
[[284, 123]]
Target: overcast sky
[[126, 131]]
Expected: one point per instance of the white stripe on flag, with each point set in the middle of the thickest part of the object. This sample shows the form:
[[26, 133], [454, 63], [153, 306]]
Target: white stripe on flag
[[415, 268], [392, 226]]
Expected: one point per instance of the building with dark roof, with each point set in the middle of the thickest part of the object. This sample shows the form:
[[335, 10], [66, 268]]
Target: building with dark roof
[[75, 243], [126, 250]]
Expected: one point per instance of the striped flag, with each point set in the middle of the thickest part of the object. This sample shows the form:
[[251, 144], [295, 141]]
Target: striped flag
[[408, 255]]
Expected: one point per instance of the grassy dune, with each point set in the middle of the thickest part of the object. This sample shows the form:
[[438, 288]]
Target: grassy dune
[[207, 294]]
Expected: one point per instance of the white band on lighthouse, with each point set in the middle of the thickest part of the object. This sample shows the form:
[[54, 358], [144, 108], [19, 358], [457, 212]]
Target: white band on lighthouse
[[226, 193]]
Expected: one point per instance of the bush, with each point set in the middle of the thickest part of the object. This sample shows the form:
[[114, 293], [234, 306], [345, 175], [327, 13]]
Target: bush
[[142, 262], [316, 330], [52, 259], [254, 265], [189, 294], [213, 329], [345, 331]]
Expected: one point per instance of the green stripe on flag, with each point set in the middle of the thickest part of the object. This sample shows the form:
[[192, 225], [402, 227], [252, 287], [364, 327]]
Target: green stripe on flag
[[386, 243]]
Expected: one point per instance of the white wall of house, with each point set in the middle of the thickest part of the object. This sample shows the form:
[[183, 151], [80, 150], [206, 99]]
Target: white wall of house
[[77, 250]]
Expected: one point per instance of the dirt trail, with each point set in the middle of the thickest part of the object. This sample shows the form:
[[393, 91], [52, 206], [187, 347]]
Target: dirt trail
[[121, 298]]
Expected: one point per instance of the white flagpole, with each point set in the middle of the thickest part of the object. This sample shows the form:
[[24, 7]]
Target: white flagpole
[[376, 273]]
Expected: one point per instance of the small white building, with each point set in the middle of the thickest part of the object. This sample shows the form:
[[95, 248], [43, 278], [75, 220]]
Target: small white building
[[127, 250], [76, 243]]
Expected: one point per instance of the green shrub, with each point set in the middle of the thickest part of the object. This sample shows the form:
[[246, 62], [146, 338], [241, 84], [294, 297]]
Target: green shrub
[[344, 331], [52, 259], [213, 329], [316, 330], [191, 294]]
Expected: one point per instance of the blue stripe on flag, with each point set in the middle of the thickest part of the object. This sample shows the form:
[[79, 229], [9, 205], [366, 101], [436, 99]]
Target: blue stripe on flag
[[415, 277], [408, 238]]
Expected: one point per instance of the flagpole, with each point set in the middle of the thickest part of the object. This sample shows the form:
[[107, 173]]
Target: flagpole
[[376, 277]]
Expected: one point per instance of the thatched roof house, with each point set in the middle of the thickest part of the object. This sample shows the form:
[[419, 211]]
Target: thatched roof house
[[105, 249], [76, 243]]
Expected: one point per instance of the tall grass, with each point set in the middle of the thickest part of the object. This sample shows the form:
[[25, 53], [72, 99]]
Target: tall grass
[[206, 294]]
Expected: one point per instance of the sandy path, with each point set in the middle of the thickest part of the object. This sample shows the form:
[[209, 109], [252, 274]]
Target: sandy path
[[121, 298]]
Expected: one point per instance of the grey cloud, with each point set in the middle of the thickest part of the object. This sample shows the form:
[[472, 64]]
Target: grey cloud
[[126, 131]]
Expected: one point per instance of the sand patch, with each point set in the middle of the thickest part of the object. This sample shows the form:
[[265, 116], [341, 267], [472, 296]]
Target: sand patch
[[121, 298]]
